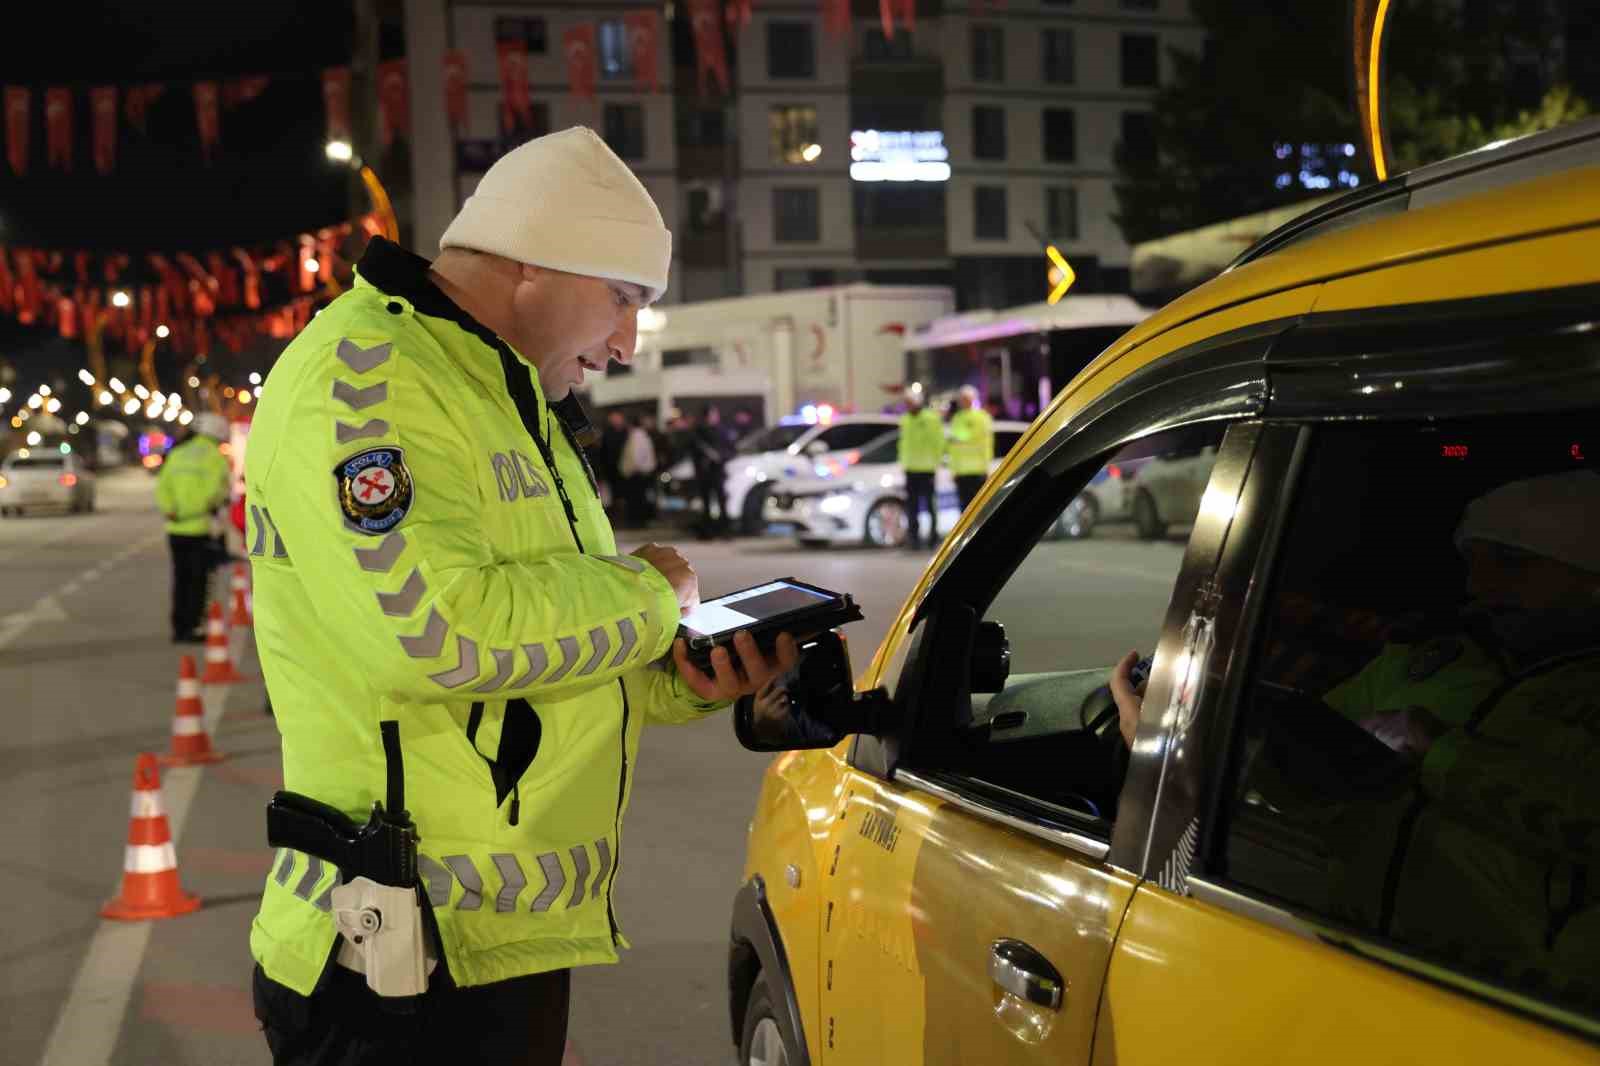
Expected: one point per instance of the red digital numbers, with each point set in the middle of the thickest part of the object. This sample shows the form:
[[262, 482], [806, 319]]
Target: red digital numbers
[[1453, 451]]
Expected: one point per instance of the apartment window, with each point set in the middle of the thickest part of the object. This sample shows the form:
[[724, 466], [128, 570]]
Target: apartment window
[[1061, 212], [616, 58], [1060, 135], [1138, 137], [899, 204], [988, 53], [797, 214], [988, 132], [1060, 67], [989, 212], [1139, 64], [624, 130], [794, 134], [876, 48], [530, 31], [701, 127], [791, 50], [785, 279]]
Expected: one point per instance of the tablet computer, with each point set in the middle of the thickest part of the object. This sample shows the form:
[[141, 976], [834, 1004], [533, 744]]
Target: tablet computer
[[781, 606]]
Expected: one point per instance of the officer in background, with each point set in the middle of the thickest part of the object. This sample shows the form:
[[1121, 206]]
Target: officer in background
[[971, 445], [921, 447], [192, 485], [429, 550]]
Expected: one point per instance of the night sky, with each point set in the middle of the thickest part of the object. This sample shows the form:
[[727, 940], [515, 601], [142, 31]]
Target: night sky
[[269, 178]]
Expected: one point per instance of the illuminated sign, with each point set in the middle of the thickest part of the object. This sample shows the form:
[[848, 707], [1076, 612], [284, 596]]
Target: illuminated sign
[[1316, 166], [881, 155], [1061, 275]]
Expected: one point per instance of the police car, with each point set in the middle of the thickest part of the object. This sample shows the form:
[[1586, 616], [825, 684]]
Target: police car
[[1357, 821]]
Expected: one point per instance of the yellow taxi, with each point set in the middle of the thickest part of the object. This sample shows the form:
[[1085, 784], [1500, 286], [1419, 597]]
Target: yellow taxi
[[1355, 814]]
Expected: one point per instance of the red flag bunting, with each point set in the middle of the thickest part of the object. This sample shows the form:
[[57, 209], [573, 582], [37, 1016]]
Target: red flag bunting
[[252, 278], [836, 18], [516, 111], [17, 128], [711, 59], [336, 102], [904, 10], [577, 42], [394, 101], [140, 97], [644, 30], [207, 116], [243, 90], [738, 14], [8, 287], [58, 127], [103, 111], [455, 90]]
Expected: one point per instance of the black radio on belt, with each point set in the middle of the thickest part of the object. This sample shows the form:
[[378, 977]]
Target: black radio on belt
[[385, 849]]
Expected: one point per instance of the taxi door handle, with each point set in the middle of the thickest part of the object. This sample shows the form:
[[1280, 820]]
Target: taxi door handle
[[1022, 971]]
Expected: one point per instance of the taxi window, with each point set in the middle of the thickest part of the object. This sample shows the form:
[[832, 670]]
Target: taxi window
[[1418, 753], [852, 434], [1096, 586]]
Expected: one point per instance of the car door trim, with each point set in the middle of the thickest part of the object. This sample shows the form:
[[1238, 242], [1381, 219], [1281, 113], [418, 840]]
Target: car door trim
[[1236, 902], [1087, 846]]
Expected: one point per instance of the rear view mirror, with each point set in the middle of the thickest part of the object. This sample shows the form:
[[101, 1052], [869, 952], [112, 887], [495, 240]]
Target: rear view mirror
[[815, 705]]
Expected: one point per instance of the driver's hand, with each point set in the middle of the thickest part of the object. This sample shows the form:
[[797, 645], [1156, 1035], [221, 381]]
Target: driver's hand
[[729, 681], [1129, 700]]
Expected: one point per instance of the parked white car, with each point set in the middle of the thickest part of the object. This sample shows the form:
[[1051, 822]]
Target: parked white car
[[1166, 491], [45, 477], [786, 450], [859, 496]]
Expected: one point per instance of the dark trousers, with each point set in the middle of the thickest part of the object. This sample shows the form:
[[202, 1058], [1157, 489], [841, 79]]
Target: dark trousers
[[520, 1022], [967, 486], [919, 494], [636, 503], [713, 483], [191, 563]]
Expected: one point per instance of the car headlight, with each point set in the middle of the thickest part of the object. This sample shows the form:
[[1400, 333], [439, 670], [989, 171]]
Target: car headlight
[[836, 503]]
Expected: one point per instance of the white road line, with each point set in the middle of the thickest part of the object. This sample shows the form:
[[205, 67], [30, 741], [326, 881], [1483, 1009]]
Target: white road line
[[90, 1022]]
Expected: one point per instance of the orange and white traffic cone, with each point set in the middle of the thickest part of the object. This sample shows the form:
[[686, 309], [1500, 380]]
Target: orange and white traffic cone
[[190, 743], [241, 612], [150, 887], [240, 589], [219, 665]]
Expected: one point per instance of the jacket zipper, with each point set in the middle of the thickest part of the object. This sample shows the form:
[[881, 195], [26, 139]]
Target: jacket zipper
[[547, 453]]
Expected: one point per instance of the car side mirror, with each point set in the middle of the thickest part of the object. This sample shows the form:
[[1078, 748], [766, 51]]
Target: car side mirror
[[991, 658], [815, 705], [816, 447]]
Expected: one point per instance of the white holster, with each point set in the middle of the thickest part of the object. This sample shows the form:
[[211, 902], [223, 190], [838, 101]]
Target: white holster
[[382, 936]]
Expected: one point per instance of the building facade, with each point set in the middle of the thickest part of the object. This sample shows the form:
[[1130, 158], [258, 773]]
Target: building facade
[[948, 153]]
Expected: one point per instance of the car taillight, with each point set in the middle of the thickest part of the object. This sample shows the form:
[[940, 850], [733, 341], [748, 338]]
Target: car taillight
[[1114, 471], [68, 480]]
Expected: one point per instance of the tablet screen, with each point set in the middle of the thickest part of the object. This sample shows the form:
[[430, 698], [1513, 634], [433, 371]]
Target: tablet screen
[[738, 610]]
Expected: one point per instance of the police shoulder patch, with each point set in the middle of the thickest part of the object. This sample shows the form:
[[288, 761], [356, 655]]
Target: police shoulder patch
[[375, 490]]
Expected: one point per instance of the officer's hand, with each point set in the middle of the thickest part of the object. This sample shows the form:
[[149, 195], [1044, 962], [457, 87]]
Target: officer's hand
[[1129, 700], [731, 681], [676, 569]]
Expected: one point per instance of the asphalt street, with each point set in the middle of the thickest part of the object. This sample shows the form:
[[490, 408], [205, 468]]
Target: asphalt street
[[87, 681]]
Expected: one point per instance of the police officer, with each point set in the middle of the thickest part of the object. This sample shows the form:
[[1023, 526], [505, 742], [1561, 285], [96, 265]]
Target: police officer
[[971, 445], [921, 447], [192, 485], [429, 549]]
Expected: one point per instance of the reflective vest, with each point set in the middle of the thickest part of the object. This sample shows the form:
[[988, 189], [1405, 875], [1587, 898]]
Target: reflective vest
[[420, 555], [921, 442], [192, 484], [971, 442]]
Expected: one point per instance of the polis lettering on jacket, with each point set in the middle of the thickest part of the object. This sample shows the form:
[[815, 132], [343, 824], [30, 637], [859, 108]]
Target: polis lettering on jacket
[[517, 477]]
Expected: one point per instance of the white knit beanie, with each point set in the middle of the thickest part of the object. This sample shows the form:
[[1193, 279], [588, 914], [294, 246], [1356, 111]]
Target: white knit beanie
[[566, 201]]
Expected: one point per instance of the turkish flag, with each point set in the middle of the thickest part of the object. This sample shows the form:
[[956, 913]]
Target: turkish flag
[[336, 102], [103, 110], [17, 128], [58, 127], [207, 115], [8, 286], [905, 10], [738, 14], [455, 90], [394, 101], [644, 30], [710, 55], [140, 97], [577, 42], [836, 17], [243, 90], [252, 278], [30, 292], [516, 110]]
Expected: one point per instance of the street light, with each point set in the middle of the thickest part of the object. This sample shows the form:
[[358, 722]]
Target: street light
[[312, 266], [120, 299], [340, 151], [86, 377], [131, 406], [255, 378], [5, 394], [163, 332], [117, 385], [105, 397], [344, 152]]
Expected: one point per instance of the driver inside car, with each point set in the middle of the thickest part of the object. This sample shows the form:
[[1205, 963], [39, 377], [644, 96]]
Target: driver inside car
[[1498, 717]]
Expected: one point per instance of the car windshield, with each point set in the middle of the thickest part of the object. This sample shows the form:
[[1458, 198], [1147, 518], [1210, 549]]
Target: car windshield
[[771, 439]]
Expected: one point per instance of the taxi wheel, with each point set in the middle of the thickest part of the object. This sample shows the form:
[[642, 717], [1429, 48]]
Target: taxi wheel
[[887, 524], [1145, 517], [762, 1041]]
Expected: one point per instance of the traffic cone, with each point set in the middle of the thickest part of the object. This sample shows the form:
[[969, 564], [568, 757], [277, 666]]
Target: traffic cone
[[241, 593], [150, 887], [219, 666], [190, 744], [241, 612]]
